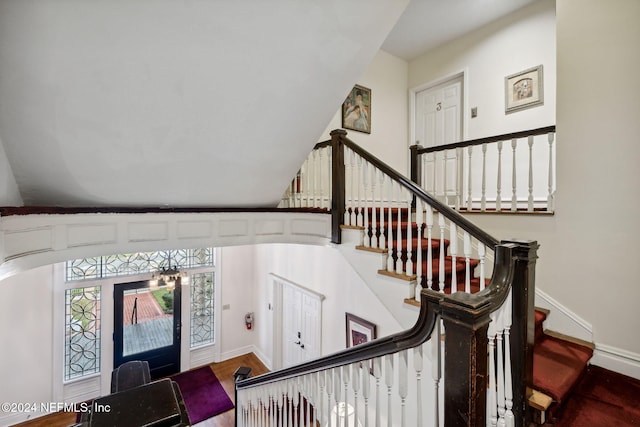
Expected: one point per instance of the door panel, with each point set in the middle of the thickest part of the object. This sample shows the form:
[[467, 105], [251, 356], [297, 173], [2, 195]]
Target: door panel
[[147, 326], [438, 121], [301, 322]]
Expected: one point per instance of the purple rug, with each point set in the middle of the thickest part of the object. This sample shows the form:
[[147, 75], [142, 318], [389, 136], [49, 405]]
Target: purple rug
[[203, 394]]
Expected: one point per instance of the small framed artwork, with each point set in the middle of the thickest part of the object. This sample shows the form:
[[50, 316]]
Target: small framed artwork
[[356, 110], [359, 331], [524, 90]]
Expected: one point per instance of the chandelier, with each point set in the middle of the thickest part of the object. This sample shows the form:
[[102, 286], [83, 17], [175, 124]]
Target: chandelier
[[168, 277]]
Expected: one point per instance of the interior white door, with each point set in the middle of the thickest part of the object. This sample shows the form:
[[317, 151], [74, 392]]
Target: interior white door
[[438, 121], [301, 325]]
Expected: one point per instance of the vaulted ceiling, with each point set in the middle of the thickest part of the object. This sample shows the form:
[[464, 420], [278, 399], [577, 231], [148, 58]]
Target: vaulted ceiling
[[199, 103]]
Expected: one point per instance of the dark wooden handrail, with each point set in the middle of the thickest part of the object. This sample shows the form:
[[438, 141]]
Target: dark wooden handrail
[[487, 140], [410, 338], [445, 210]]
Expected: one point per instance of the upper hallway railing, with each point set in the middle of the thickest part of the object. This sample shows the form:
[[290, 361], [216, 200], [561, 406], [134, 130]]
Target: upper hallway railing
[[421, 235], [508, 173]]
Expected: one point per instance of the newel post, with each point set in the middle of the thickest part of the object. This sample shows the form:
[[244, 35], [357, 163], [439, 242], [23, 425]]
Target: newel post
[[523, 326], [465, 360], [337, 184]]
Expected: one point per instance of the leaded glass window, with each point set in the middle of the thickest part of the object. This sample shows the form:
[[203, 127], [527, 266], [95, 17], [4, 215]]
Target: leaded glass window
[[202, 304], [82, 327], [137, 263]]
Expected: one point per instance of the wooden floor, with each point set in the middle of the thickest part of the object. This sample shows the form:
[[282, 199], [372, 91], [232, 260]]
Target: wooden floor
[[223, 370]]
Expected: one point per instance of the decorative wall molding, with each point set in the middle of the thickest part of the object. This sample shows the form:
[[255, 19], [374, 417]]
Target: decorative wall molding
[[29, 241]]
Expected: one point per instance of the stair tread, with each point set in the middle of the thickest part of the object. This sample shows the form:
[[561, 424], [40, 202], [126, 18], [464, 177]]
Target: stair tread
[[557, 365]]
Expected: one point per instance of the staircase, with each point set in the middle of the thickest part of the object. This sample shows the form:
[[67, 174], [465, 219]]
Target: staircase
[[560, 363]]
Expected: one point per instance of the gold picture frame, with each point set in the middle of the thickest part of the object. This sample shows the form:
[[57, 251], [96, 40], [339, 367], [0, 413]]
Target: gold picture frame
[[356, 110], [524, 90]]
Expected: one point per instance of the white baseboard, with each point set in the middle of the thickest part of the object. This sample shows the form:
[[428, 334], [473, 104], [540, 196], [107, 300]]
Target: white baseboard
[[244, 350], [617, 360], [563, 320]]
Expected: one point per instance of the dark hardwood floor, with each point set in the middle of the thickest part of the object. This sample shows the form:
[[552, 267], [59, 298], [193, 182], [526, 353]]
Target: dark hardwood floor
[[223, 370]]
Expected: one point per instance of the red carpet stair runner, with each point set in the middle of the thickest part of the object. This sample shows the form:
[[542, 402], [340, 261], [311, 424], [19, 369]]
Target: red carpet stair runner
[[560, 364]]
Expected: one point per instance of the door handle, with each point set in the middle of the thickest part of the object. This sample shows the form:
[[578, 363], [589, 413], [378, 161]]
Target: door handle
[[297, 343], [301, 345]]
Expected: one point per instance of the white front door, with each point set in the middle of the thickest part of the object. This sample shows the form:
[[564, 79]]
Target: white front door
[[301, 325], [438, 121]]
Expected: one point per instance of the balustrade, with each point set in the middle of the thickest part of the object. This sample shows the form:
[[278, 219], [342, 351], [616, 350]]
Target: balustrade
[[426, 241], [531, 180]]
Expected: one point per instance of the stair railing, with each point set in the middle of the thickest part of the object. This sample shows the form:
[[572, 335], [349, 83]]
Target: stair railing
[[513, 172], [421, 235]]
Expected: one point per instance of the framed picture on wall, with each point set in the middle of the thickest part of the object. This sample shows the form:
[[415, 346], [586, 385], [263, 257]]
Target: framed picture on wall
[[524, 90], [356, 110], [359, 331]]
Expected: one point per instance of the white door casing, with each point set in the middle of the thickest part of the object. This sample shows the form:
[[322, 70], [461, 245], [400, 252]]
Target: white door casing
[[297, 323]]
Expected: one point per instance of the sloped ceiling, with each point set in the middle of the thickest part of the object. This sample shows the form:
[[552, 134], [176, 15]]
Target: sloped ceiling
[[199, 103]]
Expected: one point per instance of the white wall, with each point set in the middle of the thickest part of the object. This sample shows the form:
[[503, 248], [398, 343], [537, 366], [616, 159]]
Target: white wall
[[9, 194], [26, 314], [386, 76], [521, 40], [325, 271], [589, 247]]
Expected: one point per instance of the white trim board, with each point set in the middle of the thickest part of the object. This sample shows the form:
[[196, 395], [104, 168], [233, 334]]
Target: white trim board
[[566, 322]]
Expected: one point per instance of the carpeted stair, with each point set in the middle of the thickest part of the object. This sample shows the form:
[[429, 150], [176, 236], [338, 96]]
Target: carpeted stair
[[568, 392]]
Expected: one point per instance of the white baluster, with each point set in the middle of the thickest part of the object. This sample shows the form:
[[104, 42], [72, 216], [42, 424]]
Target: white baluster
[[377, 373], [482, 257], [382, 239], [460, 178], [398, 264], [418, 366], [492, 409], [550, 206], [374, 221], [390, 240], [352, 188], [499, 179], [355, 384], [290, 407], [355, 216], [500, 366], [514, 196], [321, 184], [436, 369], [409, 264], [441, 264], [453, 251], [348, 183], [508, 379], [280, 402], [329, 384], [295, 402], [419, 223], [430, 247], [337, 384], [366, 391], [435, 175], [346, 375], [308, 181], [403, 384], [319, 413], [365, 204], [316, 199], [483, 199], [388, 380], [467, 262], [469, 180], [530, 199], [445, 193]]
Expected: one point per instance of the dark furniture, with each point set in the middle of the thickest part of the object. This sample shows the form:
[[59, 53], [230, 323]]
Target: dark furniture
[[129, 375], [156, 404], [243, 372]]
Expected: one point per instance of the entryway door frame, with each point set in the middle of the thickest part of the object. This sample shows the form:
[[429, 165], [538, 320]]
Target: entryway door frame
[[462, 77], [164, 360], [309, 342]]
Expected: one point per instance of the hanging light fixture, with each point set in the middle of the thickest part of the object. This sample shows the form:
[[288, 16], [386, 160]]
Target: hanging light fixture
[[168, 277]]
